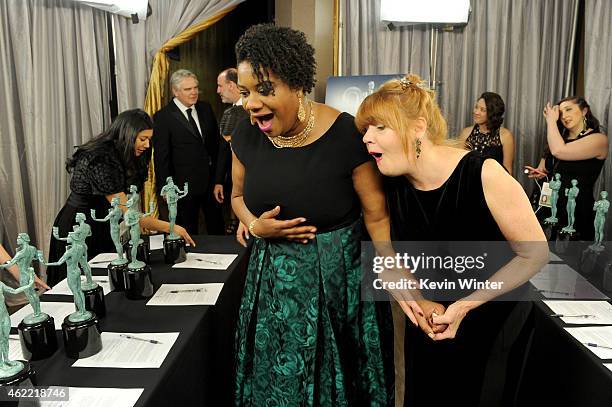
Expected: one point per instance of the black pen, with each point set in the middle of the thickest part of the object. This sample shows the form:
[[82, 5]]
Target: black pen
[[596, 345], [554, 292], [208, 261], [140, 339], [572, 316], [199, 290]]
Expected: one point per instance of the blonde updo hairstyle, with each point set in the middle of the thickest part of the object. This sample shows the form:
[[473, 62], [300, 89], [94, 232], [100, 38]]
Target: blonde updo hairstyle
[[396, 104]]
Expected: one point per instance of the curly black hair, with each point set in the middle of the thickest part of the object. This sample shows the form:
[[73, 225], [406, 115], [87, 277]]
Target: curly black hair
[[495, 110], [280, 50]]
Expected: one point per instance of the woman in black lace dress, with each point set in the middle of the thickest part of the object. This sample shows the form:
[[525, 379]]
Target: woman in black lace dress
[[103, 168], [486, 135], [439, 193]]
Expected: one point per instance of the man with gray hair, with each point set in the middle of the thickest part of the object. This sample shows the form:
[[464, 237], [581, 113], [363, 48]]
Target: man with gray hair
[[186, 141]]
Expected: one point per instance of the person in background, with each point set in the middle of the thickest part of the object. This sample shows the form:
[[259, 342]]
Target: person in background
[[227, 89], [577, 149], [486, 135], [104, 168], [186, 142], [301, 180]]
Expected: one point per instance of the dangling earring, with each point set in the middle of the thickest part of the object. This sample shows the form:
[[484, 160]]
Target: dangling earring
[[301, 114], [418, 147], [584, 120]]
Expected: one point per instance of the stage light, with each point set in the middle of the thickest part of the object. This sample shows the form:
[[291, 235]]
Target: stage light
[[133, 9], [407, 12]]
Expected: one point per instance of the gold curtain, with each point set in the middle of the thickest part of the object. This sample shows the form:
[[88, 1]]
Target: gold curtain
[[157, 82]]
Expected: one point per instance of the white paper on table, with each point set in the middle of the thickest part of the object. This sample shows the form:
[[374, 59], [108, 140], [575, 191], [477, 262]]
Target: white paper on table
[[601, 335], [129, 353], [209, 261], [601, 311], [562, 281], [187, 294], [62, 288], [102, 260], [58, 310], [15, 352], [556, 271], [554, 257], [156, 242], [97, 397], [608, 365]]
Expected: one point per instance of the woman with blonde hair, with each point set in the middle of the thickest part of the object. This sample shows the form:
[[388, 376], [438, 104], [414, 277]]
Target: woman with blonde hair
[[436, 192]]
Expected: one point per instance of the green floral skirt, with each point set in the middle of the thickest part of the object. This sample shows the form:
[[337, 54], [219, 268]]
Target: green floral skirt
[[304, 337]]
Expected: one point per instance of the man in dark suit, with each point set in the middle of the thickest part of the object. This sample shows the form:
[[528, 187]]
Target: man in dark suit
[[185, 141], [227, 88]]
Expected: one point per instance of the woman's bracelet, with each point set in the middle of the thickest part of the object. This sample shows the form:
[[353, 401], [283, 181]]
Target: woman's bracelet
[[251, 226]]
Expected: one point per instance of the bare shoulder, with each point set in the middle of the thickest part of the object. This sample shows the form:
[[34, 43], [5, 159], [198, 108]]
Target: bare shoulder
[[600, 137], [327, 113], [496, 180], [465, 132], [505, 135]]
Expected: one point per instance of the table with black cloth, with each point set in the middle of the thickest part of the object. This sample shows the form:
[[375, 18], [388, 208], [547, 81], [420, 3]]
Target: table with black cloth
[[199, 368], [561, 371]]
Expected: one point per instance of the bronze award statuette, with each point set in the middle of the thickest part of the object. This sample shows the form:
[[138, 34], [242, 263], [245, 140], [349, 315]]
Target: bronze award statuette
[[36, 330], [80, 330], [138, 277], [118, 266], [174, 245]]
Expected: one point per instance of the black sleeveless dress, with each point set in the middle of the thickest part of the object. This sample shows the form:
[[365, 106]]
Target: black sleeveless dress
[[586, 173], [488, 144], [457, 211]]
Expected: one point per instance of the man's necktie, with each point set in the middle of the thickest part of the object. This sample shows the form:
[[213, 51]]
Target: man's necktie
[[193, 123]]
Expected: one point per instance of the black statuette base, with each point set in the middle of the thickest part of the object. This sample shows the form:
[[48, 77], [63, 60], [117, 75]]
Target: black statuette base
[[25, 378], [139, 283], [94, 301], [550, 230], [81, 339], [38, 341], [563, 239], [174, 251], [115, 276]]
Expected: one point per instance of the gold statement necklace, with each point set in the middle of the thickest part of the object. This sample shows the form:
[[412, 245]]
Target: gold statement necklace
[[298, 139]]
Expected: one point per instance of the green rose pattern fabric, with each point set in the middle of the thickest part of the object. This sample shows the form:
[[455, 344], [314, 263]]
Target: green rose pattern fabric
[[304, 336]]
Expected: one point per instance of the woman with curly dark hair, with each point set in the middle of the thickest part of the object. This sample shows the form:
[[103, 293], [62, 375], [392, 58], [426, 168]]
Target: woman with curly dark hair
[[486, 135], [301, 180], [101, 169]]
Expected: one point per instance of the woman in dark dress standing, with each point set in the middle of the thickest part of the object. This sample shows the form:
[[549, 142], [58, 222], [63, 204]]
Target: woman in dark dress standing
[[577, 149], [486, 135], [436, 192], [301, 179], [103, 168]]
